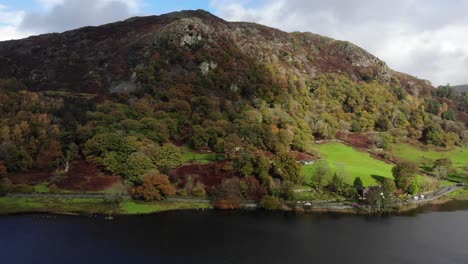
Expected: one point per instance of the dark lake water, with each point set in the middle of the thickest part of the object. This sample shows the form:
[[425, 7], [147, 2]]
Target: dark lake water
[[439, 237]]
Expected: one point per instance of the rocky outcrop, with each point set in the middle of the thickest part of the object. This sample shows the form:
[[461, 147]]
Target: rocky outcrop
[[107, 58]]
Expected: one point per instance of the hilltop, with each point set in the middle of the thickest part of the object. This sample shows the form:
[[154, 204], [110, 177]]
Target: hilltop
[[110, 58]]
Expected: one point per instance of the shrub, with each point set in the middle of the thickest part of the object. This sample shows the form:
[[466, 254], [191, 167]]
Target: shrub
[[5, 186], [271, 203], [227, 204], [199, 190], [53, 188], [155, 186], [22, 188]]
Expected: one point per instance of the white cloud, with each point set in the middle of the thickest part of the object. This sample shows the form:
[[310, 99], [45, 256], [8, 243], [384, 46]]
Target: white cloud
[[10, 19], [63, 15], [426, 38]]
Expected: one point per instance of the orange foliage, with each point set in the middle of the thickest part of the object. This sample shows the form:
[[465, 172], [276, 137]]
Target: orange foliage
[[155, 186]]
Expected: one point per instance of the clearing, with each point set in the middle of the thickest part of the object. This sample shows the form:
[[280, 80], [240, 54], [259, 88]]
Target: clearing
[[355, 163]]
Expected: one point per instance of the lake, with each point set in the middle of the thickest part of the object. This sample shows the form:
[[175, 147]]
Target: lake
[[238, 237]]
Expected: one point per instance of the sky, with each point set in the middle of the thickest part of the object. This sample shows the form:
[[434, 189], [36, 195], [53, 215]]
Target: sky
[[425, 38]]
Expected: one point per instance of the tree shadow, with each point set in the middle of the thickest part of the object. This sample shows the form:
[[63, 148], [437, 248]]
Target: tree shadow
[[379, 178], [427, 168]]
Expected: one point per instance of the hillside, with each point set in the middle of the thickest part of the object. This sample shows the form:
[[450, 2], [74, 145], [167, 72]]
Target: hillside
[[201, 106], [109, 58], [461, 88]]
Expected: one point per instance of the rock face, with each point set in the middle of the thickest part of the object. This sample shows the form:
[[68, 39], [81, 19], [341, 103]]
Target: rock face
[[107, 58]]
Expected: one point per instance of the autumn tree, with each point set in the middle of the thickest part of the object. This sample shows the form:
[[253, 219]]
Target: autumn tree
[[154, 186], [166, 157], [287, 168], [404, 174], [138, 164], [441, 168], [3, 170]]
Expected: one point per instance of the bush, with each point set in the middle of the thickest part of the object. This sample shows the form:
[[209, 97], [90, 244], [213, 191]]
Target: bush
[[199, 190], [113, 198], [53, 188], [227, 204], [155, 186], [5, 186], [58, 178], [413, 188], [22, 188], [271, 203]]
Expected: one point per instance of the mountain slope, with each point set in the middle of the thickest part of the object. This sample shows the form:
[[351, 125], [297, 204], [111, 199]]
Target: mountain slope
[[128, 96], [461, 88], [108, 58]]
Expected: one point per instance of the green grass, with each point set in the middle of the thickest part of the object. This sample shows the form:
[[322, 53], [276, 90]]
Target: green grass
[[425, 156], [459, 194], [355, 164], [68, 205], [135, 207], [42, 188], [91, 206], [459, 156], [317, 196], [189, 155]]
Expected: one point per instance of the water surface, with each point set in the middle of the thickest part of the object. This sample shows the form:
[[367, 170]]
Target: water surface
[[237, 237]]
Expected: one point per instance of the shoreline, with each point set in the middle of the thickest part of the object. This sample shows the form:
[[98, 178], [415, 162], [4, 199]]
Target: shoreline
[[88, 206]]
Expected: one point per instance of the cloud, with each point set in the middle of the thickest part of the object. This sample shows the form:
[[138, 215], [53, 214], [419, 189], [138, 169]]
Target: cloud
[[9, 24], [426, 38], [65, 15]]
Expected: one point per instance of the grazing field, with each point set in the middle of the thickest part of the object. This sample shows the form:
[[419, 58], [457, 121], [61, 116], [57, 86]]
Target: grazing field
[[354, 163], [10, 205], [59, 205], [135, 207], [459, 156], [189, 155]]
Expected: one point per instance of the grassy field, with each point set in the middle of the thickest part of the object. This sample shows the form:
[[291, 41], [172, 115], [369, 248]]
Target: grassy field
[[459, 156], [354, 163], [90, 206], [423, 154], [189, 155], [135, 207], [461, 194], [69, 205]]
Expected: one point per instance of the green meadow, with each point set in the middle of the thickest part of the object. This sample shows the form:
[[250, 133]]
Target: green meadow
[[354, 163], [189, 155], [459, 156]]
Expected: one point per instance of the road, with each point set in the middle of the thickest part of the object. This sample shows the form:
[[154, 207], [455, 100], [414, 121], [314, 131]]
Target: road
[[246, 204]]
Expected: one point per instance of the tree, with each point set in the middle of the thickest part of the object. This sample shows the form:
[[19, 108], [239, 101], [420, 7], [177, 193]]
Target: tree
[[440, 172], [287, 168], [155, 186], [271, 203], [434, 135], [166, 157], [433, 106], [138, 164], [228, 195], [442, 168], [336, 183], [413, 188], [358, 182], [404, 174], [322, 172], [3, 170], [388, 187]]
